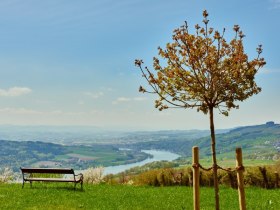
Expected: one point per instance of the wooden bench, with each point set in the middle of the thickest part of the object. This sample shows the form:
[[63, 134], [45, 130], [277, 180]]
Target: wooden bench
[[27, 175]]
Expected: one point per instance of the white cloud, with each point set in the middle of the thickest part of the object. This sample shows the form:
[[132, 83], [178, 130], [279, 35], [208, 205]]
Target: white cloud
[[275, 4], [19, 111], [161, 114], [125, 99], [29, 116], [25, 111], [110, 89], [74, 113], [62, 113], [96, 112], [94, 95], [15, 91], [56, 112], [268, 71], [107, 89], [139, 99], [121, 100]]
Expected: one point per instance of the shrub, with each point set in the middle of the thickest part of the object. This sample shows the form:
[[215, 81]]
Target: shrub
[[93, 175], [206, 178], [229, 178], [148, 178], [6, 175], [162, 177], [265, 177], [166, 177], [111, 179]]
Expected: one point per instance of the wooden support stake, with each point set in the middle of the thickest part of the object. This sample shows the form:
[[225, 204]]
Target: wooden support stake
[[276, 179], [240, 179], [195, 153]]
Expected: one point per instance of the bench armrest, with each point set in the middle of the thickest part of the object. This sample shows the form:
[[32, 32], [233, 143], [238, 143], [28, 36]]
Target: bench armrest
[[26, 175], [81, 176]]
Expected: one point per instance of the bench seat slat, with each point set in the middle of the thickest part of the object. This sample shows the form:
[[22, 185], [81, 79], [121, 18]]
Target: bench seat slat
[[48, 170], [51, 180]]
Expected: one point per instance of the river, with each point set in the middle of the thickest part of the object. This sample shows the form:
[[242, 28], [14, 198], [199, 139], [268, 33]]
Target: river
[[157, 156]]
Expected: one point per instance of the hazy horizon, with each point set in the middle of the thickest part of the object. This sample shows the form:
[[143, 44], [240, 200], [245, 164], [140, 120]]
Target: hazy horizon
[[96, 129]]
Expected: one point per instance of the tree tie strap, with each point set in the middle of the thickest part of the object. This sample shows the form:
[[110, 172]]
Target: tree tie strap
[[240, 168], [195, 165]]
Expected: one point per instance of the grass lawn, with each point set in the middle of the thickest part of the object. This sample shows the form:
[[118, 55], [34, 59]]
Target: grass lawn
[[62, 196]]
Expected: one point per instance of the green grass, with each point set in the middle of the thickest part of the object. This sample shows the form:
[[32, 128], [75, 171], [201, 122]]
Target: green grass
[[62, 196], [100, 155]]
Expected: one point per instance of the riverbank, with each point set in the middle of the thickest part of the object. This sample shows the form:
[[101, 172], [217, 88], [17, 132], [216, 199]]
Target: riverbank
[[157, 155]]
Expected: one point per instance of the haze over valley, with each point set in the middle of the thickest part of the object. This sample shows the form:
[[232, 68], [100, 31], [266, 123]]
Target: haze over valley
[[83, 147]]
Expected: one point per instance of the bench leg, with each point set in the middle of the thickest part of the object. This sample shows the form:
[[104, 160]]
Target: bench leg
[[22, 184], [31, 184], [81, 185]]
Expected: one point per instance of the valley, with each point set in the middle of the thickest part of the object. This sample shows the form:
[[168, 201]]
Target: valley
[[260, 144]]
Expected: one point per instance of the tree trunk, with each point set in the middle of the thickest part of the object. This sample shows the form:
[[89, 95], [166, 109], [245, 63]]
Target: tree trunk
[[214, 160]]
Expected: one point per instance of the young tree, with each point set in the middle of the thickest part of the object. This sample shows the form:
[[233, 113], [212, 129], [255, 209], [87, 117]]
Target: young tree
[[205, 72]]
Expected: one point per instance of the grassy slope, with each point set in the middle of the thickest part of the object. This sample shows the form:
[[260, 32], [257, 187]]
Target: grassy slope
[[259, 145], [61, 196], [258, 140]]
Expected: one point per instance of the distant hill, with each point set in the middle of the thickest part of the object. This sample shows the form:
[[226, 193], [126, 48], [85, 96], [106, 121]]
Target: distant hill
[[257, 142], [81, 149], [16, 154], [69, 135], [54, 134]]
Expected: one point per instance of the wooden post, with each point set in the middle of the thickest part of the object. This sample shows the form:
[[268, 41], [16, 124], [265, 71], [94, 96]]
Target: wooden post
[[276, 179], [195, 153], [240, 180]]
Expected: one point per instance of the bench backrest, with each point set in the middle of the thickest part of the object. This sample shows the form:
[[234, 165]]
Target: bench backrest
[[48, 170]]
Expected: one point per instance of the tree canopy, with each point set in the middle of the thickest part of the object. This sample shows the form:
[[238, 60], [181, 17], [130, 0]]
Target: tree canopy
[[203, 70]]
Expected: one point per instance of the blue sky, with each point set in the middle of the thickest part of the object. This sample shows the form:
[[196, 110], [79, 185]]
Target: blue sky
[[66, 62]]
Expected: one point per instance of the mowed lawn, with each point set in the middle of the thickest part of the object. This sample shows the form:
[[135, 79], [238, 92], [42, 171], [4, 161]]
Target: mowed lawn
[[62, 196]]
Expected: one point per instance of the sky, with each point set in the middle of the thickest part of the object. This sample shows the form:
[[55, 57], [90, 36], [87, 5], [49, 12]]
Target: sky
[[66, 62]]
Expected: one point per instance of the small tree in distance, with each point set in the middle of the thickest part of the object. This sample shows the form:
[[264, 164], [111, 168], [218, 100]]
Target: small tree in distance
[[205, 72]]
